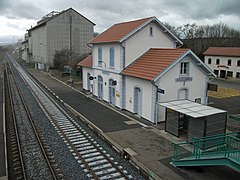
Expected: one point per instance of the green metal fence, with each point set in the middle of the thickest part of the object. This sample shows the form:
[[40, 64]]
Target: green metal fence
[[208, 148]]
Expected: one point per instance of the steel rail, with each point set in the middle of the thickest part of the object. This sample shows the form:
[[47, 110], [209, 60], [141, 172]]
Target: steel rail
[[46, 96], [51, 168], [69, 142], [15, 125]]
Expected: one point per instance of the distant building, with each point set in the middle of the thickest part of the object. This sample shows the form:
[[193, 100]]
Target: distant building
[[25, 49], [224, 61], [59, 30], [138, 64]]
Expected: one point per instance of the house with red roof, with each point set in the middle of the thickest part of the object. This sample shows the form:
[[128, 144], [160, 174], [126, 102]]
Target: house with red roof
[[224, 61], [138, 64]]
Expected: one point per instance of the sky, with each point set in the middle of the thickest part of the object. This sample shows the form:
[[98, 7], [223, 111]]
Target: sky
[[16, 16]]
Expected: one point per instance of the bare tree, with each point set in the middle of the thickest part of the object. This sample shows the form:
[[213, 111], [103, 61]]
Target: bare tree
[[175, 30], [61, 58]]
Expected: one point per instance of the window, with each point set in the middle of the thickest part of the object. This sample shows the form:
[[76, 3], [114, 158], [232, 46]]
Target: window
[[151, 31], [184, 68], [209, 61], [217, 61], [238, 75], [229, 63], [99, 56], [238, 63], [216, 72], [229, 74], [111, 53]]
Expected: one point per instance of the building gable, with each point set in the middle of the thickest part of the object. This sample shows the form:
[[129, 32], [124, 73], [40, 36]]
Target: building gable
[[195, 59], [122, 31]]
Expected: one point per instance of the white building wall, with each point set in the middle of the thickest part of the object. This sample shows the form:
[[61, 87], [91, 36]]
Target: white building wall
[[197, 88], [146, 87], [106, 56], [223, 64], [140, 42], [106, 77], [85, 72]]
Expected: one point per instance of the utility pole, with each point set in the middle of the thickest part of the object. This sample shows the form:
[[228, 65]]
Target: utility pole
[[70, 29]]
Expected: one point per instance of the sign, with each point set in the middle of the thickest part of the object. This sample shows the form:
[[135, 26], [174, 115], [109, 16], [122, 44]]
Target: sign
[[212, 87], [91, 78], [181, 79], [161, 91], [222, 66], [114, 83]]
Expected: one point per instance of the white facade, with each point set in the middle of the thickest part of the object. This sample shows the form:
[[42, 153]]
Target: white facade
[[146, 88], [138, 95], [142, 41], [194, 89], [66, 30], [223, 66]]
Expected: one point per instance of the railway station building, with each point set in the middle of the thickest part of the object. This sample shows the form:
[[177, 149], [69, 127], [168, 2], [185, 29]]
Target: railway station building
[[224, 61], [56, 31], [138, 65]]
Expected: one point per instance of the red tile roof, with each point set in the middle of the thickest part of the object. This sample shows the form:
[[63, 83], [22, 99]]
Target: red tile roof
[[223, 51], [118, 31], [153, 62], [87, 62]]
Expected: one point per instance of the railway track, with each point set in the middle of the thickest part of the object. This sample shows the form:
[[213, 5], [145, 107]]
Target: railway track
[[20, 168], [92, 157]]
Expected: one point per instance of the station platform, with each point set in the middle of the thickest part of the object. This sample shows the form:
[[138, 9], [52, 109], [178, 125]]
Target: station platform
[[147, 144], [3, 169]]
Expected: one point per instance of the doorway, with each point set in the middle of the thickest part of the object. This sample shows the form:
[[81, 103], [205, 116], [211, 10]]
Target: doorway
[[137, 101], [222, 74], [111, 92], [100, 87], [183, 94], [88, 81]]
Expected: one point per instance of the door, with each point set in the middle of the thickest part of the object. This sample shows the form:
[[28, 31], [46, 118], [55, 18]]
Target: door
[[222, 74], [111, 92], [100, 87], [137, 101], [88, 82], [183, 94]]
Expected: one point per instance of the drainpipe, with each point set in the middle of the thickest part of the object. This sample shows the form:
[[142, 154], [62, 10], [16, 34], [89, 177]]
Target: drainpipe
[[156, 109], [123, 89]]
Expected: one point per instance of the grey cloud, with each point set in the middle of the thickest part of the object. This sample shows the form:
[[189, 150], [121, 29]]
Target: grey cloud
[[230, 7], [16, 9]]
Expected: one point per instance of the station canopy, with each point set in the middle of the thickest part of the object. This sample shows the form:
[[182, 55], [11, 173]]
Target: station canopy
[[191, 108]]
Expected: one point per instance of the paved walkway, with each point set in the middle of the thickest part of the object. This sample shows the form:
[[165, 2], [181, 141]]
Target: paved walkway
[[148, 144]]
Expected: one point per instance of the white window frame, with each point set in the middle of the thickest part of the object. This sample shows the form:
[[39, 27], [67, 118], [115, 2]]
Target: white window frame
[[151, 31], [111, 57], [184, 68], [100, 57]]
